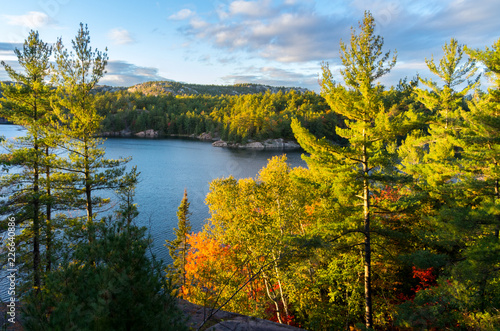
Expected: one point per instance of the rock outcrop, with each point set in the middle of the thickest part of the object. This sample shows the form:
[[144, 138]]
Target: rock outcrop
[[122, 133], [147, 134], [205, 136], [219, 143], [278, 144], [223, 320]]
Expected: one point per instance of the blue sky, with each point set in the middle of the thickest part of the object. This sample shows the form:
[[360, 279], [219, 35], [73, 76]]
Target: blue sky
[[274, 42]]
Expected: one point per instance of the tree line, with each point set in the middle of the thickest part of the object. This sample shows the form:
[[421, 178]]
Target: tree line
[[393, 226], [236, 118]]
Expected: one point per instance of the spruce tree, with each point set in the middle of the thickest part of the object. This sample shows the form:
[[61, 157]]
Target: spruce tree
[[361, 166], [179, 247]]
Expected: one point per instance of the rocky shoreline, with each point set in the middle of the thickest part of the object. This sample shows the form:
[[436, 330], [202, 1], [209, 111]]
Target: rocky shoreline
[[268, 144], [273, 144]]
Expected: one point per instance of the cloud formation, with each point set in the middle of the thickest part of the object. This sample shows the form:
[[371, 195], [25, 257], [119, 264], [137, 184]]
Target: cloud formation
[[120, 36], [121, 73], [32, 20], [181, 15], [9, 47], [290, 31], [272, 76], [285, 32]]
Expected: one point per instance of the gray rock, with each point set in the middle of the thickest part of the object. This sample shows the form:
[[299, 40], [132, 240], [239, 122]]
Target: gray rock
[[219, 143], [254, 145]]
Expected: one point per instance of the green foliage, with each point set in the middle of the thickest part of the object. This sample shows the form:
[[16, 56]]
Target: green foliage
[[122, 289], [365, 163], [453, 162], [77, 123], [22, 194], [236, 118], [178, 248]]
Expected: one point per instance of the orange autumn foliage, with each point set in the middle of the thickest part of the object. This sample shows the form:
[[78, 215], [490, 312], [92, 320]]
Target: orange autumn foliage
[[213, 272]]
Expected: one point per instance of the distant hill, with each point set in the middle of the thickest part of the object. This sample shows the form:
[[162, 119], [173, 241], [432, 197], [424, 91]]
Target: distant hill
[[176, 88]]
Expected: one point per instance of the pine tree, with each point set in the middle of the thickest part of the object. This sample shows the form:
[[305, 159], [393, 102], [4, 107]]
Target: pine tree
[[179, 247], [434, 155], [122, 289], [359, 168], [26, 103], [483, 134], [76, 75], [481, 186], [437, 144]]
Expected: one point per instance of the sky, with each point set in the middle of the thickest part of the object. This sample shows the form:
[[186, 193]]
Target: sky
[[223, 42]]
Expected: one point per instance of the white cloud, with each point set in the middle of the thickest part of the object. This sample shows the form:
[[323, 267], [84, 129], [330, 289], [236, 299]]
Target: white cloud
[[198, 23], [250, 8], [275, 77], [182, 15], [120, 36], [283, 33], [121, 73], [32, 20]]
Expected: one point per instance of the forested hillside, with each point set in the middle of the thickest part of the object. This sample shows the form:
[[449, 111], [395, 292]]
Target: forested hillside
[[236, 118]]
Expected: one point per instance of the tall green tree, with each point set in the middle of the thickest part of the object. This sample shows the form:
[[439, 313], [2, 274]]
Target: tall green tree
[[359, 168], [76, 74], [430, 153], [179, 247], [433, 154], [483, 133], [26, 102]]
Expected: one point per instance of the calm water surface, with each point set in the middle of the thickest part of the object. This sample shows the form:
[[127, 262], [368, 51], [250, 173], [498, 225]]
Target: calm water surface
[[168, 166]]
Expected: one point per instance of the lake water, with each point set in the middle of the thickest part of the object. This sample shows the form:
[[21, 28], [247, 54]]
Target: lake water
[[168, 166]]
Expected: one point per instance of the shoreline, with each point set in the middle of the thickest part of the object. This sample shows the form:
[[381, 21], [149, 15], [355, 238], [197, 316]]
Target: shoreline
[[268, 144]]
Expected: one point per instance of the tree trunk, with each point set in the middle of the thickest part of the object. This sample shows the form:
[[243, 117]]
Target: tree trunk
[[273, 298], [36, 218], [88, 192], [366, 230], [497, 198], [48, 247]]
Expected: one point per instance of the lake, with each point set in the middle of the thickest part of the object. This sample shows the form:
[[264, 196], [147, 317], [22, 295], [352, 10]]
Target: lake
[[168, 166]]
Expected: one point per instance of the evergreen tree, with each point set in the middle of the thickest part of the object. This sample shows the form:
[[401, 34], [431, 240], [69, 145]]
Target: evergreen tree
[[436, 145], [26, 103], [434, 155], [179, 247], [481, 164], [122, 289], [483, 134], [76, 75], [361, 167]]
